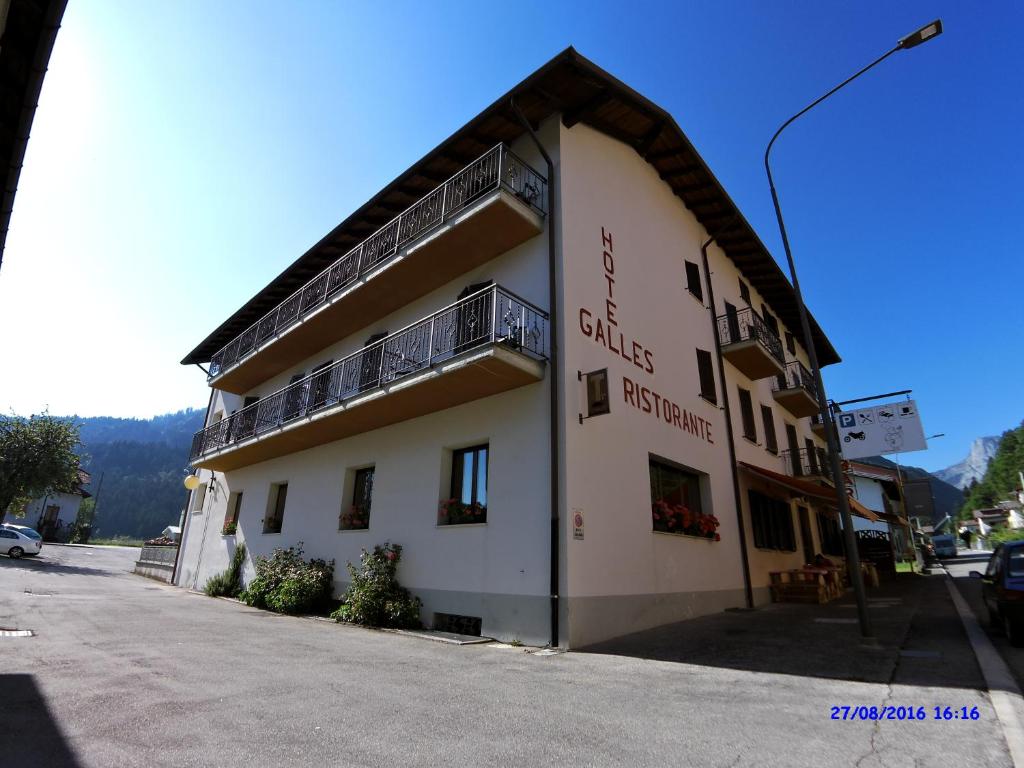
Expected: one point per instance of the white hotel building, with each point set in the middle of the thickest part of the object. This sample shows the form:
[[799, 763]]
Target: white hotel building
[[503, 361]]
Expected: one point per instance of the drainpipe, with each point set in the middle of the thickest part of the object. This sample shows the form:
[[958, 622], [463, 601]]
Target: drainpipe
[[188, 517], [730, 440], [554, 429]]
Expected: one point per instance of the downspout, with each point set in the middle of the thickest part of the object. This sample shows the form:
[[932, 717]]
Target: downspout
[[730, 440], [555, 362], [188, 517]]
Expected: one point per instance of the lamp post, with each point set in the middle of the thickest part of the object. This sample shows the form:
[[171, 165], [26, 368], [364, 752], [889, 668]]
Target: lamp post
[[912, 40]]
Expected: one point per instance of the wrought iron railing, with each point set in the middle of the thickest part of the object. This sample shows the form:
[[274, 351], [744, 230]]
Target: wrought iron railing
[[808, 462], [747, 325], [796, 376], [498, 168], [492, 315]]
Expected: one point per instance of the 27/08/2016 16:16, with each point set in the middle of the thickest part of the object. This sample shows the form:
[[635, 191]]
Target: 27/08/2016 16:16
[[903, 713]]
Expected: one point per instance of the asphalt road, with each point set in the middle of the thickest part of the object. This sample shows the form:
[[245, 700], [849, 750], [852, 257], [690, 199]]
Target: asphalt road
[[959, 568], [124, 671]]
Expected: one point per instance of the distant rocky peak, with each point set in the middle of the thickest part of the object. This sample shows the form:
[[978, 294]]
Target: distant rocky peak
[[963, 473]]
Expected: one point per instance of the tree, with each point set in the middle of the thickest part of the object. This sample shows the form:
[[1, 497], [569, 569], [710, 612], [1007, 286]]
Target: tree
[[37, 456]]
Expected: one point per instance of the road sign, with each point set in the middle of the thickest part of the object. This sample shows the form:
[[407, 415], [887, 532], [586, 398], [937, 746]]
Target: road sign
[[880, 429]]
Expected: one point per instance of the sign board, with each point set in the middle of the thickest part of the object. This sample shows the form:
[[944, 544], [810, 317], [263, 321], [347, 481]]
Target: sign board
[[880, 429], [577, 524]]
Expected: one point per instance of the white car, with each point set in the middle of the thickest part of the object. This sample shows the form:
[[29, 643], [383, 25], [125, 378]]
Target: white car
[[18, 540]]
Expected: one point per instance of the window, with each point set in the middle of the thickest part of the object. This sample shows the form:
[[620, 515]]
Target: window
[[707, 376], [817, 467], [790, 343], [772, 522], [831, 535], [744, 291], [231, 516], [198, 498], [468, 500], [598, 402], [672, 488], [769, 319], [275, 511], [770, 441], [357, 516], [747, 414], [693, 281]]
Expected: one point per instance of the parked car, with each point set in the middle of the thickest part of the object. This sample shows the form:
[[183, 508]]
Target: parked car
[[945, 545], [18, 540], [1002, 590]]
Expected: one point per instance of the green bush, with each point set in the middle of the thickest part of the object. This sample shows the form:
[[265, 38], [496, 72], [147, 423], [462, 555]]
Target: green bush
[[229, 583], [1006, 534], [286, 583], [374, 598]]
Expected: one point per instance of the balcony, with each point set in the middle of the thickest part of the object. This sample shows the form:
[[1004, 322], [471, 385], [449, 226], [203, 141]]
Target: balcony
[[490, 342], [750, 345], [794, 390], [808, 462], [489, 207]]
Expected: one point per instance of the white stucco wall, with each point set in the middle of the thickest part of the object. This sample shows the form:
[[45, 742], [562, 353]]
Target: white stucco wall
[[67, 502]]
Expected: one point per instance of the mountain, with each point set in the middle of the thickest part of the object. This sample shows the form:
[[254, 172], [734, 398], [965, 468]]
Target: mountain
[[142, 463], [946, 498], [1002, 475], [973, 467]]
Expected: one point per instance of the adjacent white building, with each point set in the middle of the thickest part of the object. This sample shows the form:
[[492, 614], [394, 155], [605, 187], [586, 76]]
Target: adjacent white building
[[510, 361], [54, 514]]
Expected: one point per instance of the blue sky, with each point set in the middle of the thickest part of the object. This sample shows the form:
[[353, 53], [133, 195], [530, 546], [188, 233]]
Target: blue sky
[[184, 153]]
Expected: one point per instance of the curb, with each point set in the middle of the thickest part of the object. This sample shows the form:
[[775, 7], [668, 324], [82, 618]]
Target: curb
[[1003, 690]]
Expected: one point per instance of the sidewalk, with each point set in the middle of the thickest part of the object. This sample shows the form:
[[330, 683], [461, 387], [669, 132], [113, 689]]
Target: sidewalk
[[911, 612]]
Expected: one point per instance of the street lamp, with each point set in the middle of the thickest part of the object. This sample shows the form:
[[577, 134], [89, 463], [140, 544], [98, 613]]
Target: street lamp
[[923, 35]]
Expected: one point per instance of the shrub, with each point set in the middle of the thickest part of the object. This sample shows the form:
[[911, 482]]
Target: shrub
[[374, 597], [229, 583], [286, 583]]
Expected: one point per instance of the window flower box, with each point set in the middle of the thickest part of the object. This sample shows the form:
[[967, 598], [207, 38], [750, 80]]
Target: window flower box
[[456, 512], [679, 519]]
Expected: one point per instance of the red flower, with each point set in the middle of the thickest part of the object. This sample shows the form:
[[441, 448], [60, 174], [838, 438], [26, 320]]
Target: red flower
[[718, 537], [391, 556]]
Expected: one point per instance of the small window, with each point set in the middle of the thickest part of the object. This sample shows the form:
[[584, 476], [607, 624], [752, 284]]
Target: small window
[[468, 500], [772, 522], [790, 343], [747, 414], [707, 376], [744, 291], [676, 505], [231, 517], [598, 402], [275, 513], [357, 516], [693, 281], [770, 441], [198, 498], [831, 535]]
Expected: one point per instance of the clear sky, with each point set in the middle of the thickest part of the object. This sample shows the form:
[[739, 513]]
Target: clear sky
[[184, 153]]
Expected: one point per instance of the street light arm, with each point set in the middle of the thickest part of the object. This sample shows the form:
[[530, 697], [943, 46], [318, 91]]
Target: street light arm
[[818, 101]]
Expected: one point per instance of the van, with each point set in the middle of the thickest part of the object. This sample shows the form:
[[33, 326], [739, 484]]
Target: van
[[944, 545]]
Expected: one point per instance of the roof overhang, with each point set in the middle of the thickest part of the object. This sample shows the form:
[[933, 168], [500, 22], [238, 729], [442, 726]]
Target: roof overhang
[[581, 92], [25, 45], [808, 490]]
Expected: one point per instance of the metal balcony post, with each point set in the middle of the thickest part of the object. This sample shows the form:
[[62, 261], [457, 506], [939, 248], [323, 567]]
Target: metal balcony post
[[430, 343], [494, 315]]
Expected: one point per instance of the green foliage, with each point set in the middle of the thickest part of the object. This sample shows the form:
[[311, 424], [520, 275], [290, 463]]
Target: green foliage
[[1001, 476], [374, 597], [117, 541], [1007, 534], [228, 583], [37, 457], [286, 583]]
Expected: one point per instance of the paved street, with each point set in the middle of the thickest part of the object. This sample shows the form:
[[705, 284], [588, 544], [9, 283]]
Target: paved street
[[959, 568], [125, 671]]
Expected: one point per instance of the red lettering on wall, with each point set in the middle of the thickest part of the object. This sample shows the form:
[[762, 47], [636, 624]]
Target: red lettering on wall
[[640, 398], [610, 308]]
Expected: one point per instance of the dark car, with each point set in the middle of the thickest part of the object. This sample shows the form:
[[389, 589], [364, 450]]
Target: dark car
[[1002, 589]]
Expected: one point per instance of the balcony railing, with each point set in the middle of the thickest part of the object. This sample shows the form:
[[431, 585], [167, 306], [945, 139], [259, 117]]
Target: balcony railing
[[808, 462], [747, 325], [489, 316], [497, 169], [796, 376]]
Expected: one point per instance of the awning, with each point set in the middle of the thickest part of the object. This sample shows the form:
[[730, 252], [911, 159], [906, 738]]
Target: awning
[[807, 489]]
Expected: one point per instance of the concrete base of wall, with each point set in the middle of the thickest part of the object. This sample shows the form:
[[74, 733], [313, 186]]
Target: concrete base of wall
[[159, 571], [595, 619]]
